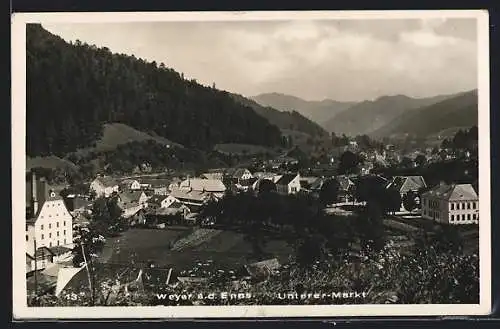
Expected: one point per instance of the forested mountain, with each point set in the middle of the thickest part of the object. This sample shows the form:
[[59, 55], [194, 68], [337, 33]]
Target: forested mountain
[[456, 112], [368, 116], [285, 120], [73, 89], [317, 111]]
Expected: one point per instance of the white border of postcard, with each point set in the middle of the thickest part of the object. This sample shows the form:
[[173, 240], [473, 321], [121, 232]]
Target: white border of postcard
[[22, 311]]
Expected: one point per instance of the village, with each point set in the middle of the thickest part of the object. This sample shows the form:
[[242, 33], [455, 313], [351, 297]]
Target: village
[[160, 232]]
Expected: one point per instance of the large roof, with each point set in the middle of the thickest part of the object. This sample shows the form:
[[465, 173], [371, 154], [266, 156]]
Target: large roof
[[286, 179], [455, 192], [189, 195], [199, 184], [130, 196], [405, 184], [157, 199]]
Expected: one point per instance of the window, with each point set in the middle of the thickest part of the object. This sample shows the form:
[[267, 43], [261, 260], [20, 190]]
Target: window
[[473, 205], [42, 236], [57, 233], [27, 238], [64, 232], [64, 223], [50, 235], [64, 241], [468, 216], [452, 206], [468, 205], [50, 244], [452, 217], [463, 217], [463, 205], [50, 225], [57, 224], [57, 242], [41, 227], [474, 216]]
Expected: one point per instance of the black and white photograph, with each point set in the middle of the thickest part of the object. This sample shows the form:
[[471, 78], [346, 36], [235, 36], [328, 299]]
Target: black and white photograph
[[251, 164]]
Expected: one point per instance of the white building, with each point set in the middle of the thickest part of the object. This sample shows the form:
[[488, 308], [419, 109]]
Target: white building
[[288, 184], [104, 186], [131, 184], [48, 224], [451, 204]]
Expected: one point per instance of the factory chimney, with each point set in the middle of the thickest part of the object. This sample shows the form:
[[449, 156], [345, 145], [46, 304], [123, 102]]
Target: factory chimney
[[34, 194]]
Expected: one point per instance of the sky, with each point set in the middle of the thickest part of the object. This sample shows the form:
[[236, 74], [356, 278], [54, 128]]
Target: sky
[[343, 60]]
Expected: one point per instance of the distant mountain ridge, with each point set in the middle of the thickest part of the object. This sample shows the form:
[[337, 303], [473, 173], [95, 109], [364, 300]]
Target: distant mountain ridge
[[285, 120], [448, 114], [317, 111], [368, 116]]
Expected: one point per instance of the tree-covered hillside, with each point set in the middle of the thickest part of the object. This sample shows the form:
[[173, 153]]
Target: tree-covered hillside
[[285, 120], [73, 89]]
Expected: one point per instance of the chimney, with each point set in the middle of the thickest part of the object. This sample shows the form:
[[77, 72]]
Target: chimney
[[34, 196]]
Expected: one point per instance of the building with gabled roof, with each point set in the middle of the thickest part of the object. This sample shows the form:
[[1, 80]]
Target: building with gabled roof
[[288, 184], [451, 204], [405, 184], [104, 186], [131, 202], [48, 221], [214, 186]]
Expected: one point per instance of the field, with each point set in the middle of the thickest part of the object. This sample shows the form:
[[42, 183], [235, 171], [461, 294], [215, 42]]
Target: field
[[115, 134], [242, 149], [51, 162], [227, 250]]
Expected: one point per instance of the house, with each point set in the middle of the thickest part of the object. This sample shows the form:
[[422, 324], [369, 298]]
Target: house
[[104, 186], [175, 208], [161, 201], [213, 186], [156, 185], [238, 175], [77, 204], [405, 184], [191, 198], [44, 258], [130, 184], [451, 204], [131, 202], [288, 184], [307, 182], [48, 222]]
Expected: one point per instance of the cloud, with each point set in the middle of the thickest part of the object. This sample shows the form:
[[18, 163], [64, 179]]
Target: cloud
[[338, 59]]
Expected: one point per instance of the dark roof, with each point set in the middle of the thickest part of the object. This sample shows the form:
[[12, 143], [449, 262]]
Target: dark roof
[[405, 184], [286, 179], [157, 199], [130, 196]]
